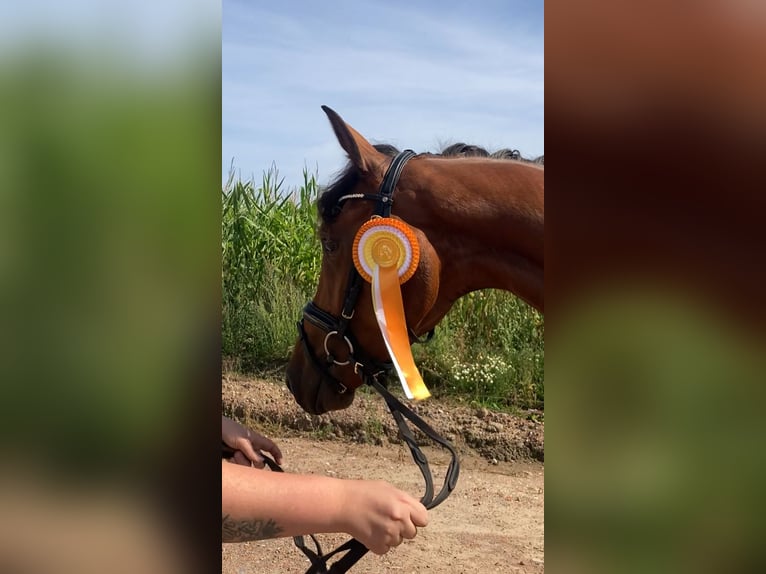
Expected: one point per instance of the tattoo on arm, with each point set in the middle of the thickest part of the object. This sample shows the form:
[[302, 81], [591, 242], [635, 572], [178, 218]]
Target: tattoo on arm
[[244, 530]]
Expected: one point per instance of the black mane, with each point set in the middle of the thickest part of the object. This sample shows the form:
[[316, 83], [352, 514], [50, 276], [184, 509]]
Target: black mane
[[347, 180]]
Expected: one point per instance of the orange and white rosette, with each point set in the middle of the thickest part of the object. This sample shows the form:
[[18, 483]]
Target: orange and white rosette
[[386, 254]]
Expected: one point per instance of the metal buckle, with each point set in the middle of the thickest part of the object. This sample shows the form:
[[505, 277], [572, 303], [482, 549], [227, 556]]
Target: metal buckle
[[329, 355]]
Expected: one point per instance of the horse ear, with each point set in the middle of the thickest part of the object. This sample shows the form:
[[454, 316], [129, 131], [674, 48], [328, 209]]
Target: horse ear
[[361, 153]]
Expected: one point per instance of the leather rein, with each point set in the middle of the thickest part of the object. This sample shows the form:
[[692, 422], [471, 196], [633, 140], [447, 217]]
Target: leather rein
[[370, 371]]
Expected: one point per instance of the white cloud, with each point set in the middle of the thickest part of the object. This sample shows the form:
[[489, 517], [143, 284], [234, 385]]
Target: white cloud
[[415, 75]]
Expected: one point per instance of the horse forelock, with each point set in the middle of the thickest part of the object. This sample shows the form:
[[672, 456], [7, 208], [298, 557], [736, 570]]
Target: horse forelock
[[343, 184]]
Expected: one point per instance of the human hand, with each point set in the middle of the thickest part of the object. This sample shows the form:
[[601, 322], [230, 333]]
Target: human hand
[[381, 516], [247, 444]]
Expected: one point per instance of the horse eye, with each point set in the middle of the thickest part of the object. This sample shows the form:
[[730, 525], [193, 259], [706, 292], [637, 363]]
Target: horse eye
[[329, 245]]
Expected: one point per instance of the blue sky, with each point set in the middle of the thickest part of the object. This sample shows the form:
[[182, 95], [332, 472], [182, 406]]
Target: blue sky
[[418, 75]]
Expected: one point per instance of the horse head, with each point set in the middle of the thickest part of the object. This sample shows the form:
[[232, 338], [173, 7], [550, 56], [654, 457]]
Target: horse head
[[340, 344]]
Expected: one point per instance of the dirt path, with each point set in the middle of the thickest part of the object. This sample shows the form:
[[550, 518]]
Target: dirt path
[[492, 522]]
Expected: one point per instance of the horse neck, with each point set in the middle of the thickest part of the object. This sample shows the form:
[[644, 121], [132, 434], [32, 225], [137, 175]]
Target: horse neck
[[485, 220]]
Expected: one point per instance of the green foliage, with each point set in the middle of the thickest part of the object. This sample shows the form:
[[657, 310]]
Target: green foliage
[[108, 232], [489, 349], [270, 264]]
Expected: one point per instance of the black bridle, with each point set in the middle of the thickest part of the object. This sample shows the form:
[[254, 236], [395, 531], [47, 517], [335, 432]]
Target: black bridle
[[337, 326], [370, 371]]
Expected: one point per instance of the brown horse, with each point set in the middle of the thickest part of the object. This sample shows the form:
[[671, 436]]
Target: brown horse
[[479, 222]]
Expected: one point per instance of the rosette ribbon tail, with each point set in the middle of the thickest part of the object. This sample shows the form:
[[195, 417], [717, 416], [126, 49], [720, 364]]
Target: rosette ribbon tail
[[389, 311]]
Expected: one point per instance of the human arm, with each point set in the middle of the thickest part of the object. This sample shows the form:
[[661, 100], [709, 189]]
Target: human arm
[[258, 504], [247, 444]]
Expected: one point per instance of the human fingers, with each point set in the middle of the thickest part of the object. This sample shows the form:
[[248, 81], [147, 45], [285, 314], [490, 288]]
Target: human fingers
[[269, 446], [252, 457], [418, 513], [232, 431], [246, 446], [239, 458], [409, 530], [414, 514], [276, 453], [378, 547], [388, 543], [259, 462], [398, 529]]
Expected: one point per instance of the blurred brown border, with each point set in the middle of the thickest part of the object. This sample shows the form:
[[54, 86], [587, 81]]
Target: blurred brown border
[[656, 131], [655, 122]]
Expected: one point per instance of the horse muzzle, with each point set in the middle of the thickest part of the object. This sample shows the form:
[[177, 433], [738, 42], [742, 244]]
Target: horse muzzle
[[313, 392]]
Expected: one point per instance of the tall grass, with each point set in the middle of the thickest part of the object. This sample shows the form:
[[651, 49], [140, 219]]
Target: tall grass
[[270, 263], [488, 350]]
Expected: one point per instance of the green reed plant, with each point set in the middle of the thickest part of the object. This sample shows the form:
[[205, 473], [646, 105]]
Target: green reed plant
[[270, 265]]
